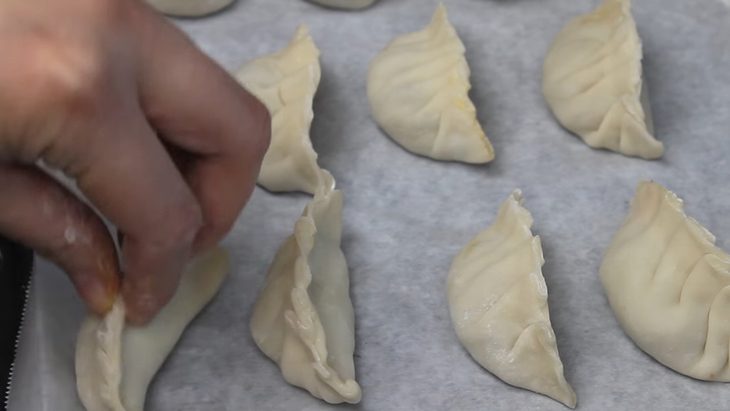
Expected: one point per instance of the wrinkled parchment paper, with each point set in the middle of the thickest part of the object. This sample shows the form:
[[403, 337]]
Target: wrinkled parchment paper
[[406, 217]]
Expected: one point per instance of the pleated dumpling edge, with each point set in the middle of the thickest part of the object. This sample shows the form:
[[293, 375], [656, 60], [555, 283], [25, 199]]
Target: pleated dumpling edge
[[303, 318], [115, 362], [286, 82]]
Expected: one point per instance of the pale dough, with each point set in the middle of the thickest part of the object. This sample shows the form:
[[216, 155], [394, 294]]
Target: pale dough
[[115, 363], [286, 82], [499, 307], [669, 286], [592, 81], [303, 318]]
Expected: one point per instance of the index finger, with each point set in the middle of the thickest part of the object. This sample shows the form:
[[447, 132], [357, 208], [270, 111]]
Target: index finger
[[196, 105], [127, 174]]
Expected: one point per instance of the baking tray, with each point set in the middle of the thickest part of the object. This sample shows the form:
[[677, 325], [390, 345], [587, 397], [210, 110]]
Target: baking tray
[[406, 216]]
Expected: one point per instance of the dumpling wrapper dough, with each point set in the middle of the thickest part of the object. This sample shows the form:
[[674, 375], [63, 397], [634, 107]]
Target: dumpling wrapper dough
[[498, 303], [592, 81], [116, 362], [286, 82], [418, 88], [189, 8], [345, 4], [303, 318], [669, 286]]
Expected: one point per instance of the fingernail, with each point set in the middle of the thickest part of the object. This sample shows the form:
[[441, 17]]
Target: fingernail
[[100, 295], [141, 307]]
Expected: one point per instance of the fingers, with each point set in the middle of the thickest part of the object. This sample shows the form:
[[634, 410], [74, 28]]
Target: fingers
[[222, 184], [94, 130], [38, 212], [195, 105], [127, 174], [111, 147]]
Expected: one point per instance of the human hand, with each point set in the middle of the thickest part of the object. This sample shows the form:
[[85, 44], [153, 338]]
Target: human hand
[[160, 140]]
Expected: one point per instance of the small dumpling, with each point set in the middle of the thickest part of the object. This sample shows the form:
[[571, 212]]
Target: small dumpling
[[345, 4], [286, 82], [592, 81], [303, 318], [669, 286], [189, 8], [116, 362], [418, 88], [498, 302]]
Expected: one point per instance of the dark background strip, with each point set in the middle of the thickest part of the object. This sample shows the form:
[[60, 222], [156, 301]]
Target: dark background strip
[[16, 264]]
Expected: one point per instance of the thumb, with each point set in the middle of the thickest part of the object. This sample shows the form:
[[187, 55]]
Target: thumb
[[40, 213]]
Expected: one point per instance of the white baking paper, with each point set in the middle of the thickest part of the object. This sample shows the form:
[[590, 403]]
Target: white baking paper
[[406, 216]]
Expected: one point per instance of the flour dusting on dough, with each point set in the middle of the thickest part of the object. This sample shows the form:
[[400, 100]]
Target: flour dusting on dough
[[69, 235]]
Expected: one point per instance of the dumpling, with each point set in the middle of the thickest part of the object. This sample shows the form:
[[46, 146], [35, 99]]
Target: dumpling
[[116, 362], [669, 286], [418, 90], [592, 81], [303, 318], [286, 82], [345, 4], [189, 8], [498, 302]]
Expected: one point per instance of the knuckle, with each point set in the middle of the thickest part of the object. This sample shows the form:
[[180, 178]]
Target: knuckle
[[58, 86], [60, 78], [70, 82], [71, 107]]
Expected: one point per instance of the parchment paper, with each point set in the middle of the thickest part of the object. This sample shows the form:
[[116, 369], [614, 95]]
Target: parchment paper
[[406, 217]]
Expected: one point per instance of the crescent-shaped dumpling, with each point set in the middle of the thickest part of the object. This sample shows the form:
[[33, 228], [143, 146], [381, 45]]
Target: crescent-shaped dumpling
[[669, 286], [189, 8], [498, 302], [418, 88], [592, 81], [116, 362], [303, 318], [286, 82]]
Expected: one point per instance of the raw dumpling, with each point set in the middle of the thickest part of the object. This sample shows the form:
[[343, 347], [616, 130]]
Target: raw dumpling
[[669, 286], [189, 8], [592, 81], [345, 4], [499, 308], [303, 318], [286, 82], [418, 89], [115, 363]]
